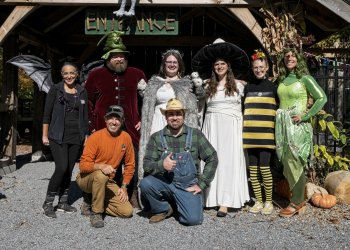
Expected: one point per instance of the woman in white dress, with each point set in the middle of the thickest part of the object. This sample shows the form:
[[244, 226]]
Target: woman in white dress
[[223, 123], [169, 83]]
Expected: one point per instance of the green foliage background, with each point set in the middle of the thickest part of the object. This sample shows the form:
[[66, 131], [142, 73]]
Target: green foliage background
[[25, 84]]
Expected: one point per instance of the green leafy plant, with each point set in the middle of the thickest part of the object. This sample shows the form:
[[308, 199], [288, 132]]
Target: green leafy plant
[[324, 160]]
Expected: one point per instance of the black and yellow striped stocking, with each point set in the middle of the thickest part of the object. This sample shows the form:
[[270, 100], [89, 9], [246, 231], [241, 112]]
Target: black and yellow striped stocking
[[267, 180], [254, 179]]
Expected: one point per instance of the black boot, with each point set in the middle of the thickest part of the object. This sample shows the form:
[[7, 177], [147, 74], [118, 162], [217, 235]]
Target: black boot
[[86, 205], [48, 205], [63, 205]]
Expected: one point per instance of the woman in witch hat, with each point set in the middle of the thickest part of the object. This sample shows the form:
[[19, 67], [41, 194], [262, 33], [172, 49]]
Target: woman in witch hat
[[220, 62]]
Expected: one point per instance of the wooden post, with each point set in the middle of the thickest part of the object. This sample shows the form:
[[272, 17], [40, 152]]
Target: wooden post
[[8, 139], [38, 110]]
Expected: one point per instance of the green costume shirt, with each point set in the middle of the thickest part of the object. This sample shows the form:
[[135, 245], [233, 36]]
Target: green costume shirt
[[294, 141]]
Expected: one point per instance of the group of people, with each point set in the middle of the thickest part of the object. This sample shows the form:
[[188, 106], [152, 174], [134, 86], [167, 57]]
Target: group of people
[[160, 154]]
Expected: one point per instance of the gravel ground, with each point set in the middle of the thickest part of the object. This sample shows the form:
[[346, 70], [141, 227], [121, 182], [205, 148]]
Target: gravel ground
[[23, 225]]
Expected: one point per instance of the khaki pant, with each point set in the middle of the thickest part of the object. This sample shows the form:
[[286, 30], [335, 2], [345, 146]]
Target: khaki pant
[[104, 194]]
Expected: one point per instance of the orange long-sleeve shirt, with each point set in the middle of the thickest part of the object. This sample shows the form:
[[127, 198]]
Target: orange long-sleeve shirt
[[102, 147]]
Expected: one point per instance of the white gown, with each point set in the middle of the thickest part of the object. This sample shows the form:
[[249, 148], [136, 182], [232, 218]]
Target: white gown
[[223, 128], [164, 94]]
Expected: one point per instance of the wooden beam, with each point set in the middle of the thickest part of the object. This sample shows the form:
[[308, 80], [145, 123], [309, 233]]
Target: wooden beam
[[245, 3], [65, 18], [338, 7], [150, 41], [247, 19], [323, 24], [19, 13]]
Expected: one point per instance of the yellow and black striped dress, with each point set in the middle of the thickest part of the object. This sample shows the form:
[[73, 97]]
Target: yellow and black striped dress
[[260, 106]]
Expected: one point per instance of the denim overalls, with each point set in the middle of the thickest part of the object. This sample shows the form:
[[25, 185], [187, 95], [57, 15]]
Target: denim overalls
[[184, 174], [158, 190]]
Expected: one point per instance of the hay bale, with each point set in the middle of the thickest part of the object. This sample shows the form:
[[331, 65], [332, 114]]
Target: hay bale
[[338, 184]]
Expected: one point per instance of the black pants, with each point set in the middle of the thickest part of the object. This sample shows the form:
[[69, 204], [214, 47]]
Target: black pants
[[65, 156], [259, 156]]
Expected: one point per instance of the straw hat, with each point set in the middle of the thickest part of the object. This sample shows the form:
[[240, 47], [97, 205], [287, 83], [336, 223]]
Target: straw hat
[[173, 104]]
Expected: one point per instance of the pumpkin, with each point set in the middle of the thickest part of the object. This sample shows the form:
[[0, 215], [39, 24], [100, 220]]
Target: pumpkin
[[324, 200]]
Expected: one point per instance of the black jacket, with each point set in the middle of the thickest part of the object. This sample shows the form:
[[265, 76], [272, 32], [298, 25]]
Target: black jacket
[[54, 112]]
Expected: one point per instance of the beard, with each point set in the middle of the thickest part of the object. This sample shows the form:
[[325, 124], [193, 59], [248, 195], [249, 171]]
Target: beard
[[118, 67]]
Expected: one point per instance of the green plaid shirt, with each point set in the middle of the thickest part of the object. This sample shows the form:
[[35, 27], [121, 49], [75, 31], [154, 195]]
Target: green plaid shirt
[[201, 150]]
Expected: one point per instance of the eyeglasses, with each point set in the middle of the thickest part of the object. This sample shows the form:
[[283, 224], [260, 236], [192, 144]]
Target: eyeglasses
[[73, 73], [258, 68], [172, 62]]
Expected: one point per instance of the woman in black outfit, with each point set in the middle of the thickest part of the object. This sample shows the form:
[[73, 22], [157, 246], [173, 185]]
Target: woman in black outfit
[[65, 128]]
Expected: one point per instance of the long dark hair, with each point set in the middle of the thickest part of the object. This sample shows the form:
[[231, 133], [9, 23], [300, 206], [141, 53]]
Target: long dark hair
[[231, 87]]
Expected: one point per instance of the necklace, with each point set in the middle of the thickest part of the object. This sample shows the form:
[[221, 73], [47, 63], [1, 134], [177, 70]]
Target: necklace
[[71, 108]]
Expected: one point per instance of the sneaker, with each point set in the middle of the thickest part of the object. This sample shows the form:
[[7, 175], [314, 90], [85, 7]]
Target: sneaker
[[268, 208], [85, 209], [160, 217], [96, 220], [258, 206], [49, 210], [65, 207]]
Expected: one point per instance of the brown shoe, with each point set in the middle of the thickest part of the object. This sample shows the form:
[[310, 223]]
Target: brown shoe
[[293, 209], [96, 220], [160, 217], [134, 199]]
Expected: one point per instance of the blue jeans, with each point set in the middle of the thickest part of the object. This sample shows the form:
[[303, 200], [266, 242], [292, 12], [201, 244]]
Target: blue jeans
[[158, 191]]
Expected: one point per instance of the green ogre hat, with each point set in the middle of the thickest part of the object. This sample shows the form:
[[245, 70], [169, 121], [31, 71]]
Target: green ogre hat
[[113, 44]]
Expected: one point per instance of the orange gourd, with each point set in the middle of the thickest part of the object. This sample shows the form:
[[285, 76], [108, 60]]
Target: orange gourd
[[324, 200]]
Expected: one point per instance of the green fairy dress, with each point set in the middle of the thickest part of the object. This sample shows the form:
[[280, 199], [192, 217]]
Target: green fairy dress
[[294, 140]]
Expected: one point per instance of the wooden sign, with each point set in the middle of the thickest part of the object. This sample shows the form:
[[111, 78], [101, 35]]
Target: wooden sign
[[147, 21]]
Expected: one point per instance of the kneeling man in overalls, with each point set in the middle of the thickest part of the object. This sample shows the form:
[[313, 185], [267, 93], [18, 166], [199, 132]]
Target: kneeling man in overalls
[[172, 168]]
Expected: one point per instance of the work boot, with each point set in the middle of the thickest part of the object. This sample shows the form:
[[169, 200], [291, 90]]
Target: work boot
[[86, 205], [96, 220], [162, 216], [48, 205], [134, 199]]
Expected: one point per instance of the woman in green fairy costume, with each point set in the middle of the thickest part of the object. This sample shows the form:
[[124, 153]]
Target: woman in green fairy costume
[[293, 129]]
